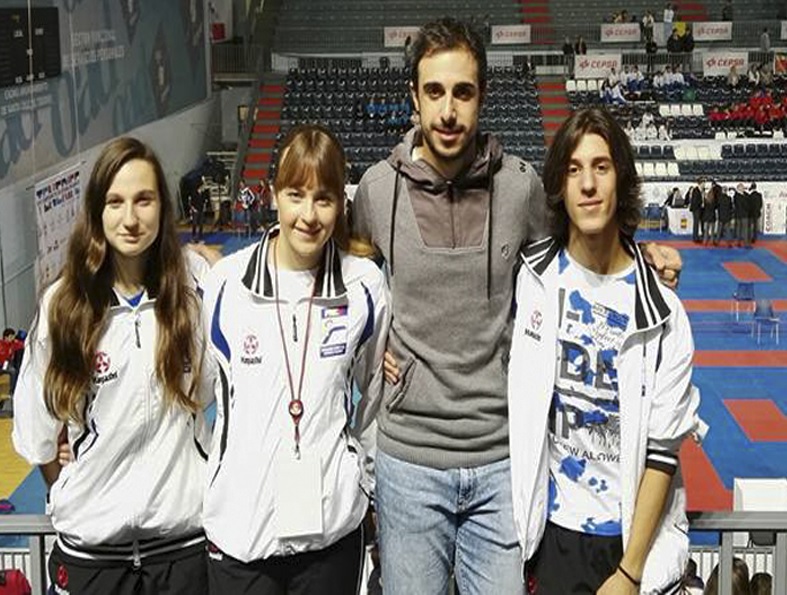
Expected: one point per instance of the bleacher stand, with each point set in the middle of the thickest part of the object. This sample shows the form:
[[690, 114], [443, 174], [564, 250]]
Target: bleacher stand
[[370, 109]]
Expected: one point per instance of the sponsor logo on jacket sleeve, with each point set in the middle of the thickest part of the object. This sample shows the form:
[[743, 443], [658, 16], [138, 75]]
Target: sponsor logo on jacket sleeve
[[534, 325]]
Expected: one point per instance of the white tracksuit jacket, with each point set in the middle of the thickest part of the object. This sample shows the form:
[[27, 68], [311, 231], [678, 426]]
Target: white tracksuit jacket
[[350, 318], [135, 485], [658, 405]]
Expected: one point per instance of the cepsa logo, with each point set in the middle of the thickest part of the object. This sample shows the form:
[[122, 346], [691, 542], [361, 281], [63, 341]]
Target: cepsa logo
[[714, 62], [600, 64], [510, 34], [621, 31], [711, 30]]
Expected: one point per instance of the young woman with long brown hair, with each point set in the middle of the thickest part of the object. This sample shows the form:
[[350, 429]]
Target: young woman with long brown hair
[[115, 362], [292, 320]]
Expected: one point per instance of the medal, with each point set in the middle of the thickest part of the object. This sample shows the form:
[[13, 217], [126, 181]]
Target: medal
[[295, 406], [296, 409]]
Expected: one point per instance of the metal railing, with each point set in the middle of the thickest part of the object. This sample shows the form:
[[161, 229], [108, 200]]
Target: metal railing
[[727, 523], [36, 527], [348, 34], [233, 61]]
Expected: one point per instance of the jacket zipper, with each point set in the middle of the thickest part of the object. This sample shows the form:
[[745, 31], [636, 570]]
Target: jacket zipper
[[137, 322], [451, 206]]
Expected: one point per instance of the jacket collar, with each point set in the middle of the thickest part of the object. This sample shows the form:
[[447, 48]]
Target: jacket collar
[[650, 307], [115, 300], [259, 277]]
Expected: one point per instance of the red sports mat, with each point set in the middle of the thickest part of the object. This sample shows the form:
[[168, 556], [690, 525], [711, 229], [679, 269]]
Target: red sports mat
[[760, 419], [746, 359], [746, 271]]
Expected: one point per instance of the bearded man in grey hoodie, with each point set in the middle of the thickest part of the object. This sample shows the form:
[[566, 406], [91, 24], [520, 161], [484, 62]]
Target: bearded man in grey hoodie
[[448, 211]]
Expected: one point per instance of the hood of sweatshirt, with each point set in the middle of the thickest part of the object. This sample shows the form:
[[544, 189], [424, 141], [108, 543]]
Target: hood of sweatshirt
[[452, 214], [489, 157]]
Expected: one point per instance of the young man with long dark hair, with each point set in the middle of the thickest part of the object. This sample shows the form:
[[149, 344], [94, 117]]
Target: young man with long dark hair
[[599, 389]]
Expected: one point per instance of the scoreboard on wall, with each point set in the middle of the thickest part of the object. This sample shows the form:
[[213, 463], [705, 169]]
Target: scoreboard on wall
[[26, 33]]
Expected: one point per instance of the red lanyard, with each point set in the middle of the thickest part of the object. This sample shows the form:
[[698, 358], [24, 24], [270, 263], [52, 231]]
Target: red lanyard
[[295, 407]]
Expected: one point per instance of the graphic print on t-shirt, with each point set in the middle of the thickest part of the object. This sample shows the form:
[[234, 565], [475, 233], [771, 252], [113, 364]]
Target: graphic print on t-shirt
[[584, 418]]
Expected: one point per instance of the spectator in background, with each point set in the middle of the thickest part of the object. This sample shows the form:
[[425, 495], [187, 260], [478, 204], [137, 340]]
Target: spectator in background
[[265, 195], [733, 78], [688, 41], [198, 203], [765, 41], [741, 207], [615, 95], [580, 47], [674, 199], [664, 131], [651, 47], [247, 201], [709, 216], [674, 43], [636, 79], [10, 344], [407, 51], [668, 18], [726, 11], [696, 202], [613, 78], [691, 584], [677, 77], [568, 56], [761, 584], [651, 132], [629, 130], [753, 75], [766, 74], [647, 26], [755, 211], [669, 77], [740, 579], [724, 208]]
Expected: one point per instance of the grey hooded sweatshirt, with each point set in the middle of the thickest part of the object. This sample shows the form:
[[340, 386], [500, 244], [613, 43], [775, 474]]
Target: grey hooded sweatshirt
[[451, 247]]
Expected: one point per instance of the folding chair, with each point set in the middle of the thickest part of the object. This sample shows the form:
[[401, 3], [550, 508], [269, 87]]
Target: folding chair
[[743, 293], [764, 316]]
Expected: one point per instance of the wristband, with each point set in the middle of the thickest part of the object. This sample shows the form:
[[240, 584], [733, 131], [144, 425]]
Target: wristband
[[634, 581]]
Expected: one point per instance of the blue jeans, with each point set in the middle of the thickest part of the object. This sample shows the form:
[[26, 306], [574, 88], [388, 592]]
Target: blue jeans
[[435, 522]]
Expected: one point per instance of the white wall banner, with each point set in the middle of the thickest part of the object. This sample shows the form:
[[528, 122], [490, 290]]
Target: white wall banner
[[596, 66], [510, 34], [774, 208], [620, 32], [713, 31], [719, 63], [58, 201], [394, 37]]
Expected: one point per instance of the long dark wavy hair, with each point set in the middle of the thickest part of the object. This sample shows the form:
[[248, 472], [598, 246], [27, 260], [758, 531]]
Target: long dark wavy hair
[[80, 304], [598, 121]]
